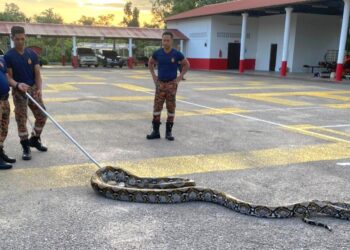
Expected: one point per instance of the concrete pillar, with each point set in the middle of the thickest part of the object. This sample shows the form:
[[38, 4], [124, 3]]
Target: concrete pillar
[[75, 57], [343, 38], [243, 41], [130, 61], [63, 53], [286, 41], [12, 45], [114, 46], [182, 46]]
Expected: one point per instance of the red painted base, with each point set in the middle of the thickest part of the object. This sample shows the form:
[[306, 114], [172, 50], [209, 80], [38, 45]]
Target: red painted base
[[241, 66], [284, 68], [339, 73], [75, 62]]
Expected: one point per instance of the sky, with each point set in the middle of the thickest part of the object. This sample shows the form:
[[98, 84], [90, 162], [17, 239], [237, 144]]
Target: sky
[[72, 10]]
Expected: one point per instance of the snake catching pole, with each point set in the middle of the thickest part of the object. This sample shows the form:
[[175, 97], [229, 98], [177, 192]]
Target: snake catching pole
[[64, 131]]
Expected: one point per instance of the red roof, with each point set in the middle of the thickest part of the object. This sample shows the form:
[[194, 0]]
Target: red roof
[[62, 30], [233, 6]]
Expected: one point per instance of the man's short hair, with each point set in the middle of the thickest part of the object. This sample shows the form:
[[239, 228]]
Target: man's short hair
[[168, 33], [17, 30]]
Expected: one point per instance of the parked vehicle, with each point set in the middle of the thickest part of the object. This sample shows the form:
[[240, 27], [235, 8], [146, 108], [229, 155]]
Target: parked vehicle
[[86, 56], [110, 58]]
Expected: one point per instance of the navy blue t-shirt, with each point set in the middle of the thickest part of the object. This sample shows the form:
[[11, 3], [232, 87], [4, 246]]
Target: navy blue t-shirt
[[167, 63], [22, 65], [4, 85]]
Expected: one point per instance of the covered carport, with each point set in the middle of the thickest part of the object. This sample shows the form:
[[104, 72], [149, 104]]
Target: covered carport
[[79, 31]]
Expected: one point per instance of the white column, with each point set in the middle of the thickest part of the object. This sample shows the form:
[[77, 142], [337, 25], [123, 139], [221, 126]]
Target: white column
[[12, 45], [130, 47], [286, 41], [63, 52], [243, 41], [182, 46], [75, 59], [130, 61], [343, 38]]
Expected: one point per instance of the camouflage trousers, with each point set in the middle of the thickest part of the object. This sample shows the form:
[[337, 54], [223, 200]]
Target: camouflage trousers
[[165, 92], [4, 120], [21, 113]]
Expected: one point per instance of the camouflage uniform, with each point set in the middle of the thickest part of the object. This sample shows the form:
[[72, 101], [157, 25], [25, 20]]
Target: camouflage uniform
[[21, 103], [5, 120], [165, 92]]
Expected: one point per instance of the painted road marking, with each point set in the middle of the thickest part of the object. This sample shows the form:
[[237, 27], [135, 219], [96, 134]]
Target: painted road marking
[[273, 97], [102, 98], [142, 115], [131, 87], [248, 88], [22, 180]]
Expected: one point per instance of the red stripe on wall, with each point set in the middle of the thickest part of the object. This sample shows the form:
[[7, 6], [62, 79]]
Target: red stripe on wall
[[217, 64]]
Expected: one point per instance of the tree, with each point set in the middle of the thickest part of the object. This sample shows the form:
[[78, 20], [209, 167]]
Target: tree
[[12, 13], [160, 10], [85, 20], [151, 25], [48, 16], [131, 16], [105, 20], [127, 14], [135, 18]]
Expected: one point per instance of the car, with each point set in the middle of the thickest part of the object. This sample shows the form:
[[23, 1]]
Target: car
[[86, 56], [110, 58]]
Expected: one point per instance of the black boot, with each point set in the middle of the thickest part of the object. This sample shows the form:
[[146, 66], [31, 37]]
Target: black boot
[[169, 127], [4, 165], [26, 150], [35, 142], [155, 133], [5, 157]]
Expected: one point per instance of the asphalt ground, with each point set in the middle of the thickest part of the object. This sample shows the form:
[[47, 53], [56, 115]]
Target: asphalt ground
[[263, 140]]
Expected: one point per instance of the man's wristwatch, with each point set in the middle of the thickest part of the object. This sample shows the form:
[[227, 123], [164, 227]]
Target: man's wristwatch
[[17, 85]]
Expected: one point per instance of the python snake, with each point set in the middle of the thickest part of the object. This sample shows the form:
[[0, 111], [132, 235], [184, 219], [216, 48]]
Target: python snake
[[118, 184]]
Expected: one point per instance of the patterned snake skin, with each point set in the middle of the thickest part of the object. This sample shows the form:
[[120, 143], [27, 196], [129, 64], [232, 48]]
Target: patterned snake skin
[[118, 184]]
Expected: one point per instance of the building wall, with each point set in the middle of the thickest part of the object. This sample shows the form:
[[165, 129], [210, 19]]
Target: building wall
[[271, 31], [197, 49], [310, 38], [315, 34], [227, 29]]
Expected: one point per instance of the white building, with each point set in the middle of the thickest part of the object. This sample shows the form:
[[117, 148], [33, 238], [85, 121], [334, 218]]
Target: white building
[[280, 35]]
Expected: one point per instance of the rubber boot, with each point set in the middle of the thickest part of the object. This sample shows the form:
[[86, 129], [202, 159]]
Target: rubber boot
[[168, 134], [155, 133], [35, 142], [5, 157], [27, 154]]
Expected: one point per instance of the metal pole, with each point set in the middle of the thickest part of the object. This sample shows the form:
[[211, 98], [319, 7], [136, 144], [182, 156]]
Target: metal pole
[[64, 131]]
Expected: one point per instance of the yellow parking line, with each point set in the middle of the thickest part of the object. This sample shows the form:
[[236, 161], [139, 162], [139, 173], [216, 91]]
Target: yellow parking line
[[142, 115], [338, 106], [268, 98], [21, 180], [94, 78], [247, 88], [132, 87], [61, 87]]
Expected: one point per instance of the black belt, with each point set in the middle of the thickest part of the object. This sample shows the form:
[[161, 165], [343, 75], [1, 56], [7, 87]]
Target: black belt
[[167, 81], [4, 97]]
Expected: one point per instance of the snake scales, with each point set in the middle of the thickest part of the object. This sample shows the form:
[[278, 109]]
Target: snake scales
[[118, 184]]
